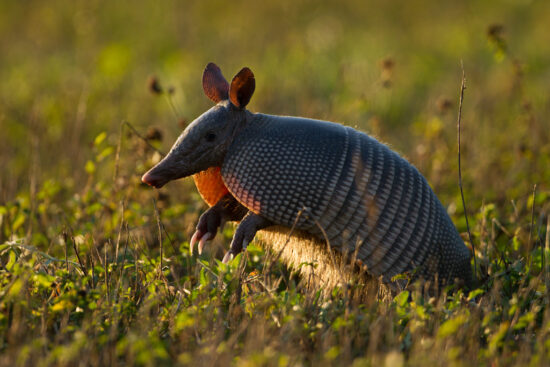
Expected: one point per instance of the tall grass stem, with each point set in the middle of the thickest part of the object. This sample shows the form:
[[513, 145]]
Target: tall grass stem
[[459, 118]]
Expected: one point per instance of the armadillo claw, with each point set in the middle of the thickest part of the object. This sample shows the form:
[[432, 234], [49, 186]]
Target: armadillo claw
[[203, 240], [228, 257], [197, 235], [192, 241]]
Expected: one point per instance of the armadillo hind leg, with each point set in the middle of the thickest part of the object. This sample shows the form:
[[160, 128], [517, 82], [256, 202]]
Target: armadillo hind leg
[[245, 232], [226, 209]]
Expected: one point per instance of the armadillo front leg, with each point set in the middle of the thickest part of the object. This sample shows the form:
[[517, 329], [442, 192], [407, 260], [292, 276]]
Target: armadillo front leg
[[245, 232], [226, 209]]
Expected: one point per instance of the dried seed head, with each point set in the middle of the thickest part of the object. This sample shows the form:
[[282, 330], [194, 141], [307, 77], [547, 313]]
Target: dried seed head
[[154, 134], [522, 148], [495, 31], [154, 85], [387, 64], [444, 104]]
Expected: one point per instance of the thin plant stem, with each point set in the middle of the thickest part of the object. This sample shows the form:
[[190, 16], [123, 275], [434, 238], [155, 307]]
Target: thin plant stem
[[462, 88], [530, 243], [160, 233]]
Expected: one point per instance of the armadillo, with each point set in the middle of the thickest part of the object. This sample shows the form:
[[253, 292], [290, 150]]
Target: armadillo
[[346, 190]]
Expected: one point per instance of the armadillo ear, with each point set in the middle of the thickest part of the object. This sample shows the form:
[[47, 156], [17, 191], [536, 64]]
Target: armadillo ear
[[242, 88], [214, 84]]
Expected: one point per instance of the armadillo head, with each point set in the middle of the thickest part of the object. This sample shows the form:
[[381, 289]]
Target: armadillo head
[[205, 141]]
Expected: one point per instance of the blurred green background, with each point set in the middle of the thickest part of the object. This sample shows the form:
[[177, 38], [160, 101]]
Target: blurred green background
[[72, 69]]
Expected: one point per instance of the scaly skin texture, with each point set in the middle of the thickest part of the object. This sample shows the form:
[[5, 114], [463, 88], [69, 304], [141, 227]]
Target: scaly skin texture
[[355, 193], [325, 271]]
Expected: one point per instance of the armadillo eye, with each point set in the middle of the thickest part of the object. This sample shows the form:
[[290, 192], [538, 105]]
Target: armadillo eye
[[210, 137]]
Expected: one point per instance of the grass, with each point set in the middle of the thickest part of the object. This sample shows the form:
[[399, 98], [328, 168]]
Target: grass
[[95, 267]]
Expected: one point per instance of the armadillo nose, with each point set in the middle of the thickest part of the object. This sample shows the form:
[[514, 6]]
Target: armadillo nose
[[146, 178], [152, 180]]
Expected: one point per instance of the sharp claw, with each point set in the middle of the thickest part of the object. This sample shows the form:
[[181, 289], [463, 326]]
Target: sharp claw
[[245, 244], [203, 240], [228, 257], [193, 240]]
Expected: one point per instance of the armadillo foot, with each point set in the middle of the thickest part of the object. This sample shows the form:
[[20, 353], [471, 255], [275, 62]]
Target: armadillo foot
[[245, 233], [227, 209], [207, 228]]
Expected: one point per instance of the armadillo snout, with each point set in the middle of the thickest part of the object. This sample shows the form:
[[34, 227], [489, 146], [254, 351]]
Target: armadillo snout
[[154, 180]]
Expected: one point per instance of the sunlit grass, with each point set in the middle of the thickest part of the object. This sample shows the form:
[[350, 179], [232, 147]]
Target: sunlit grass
[[81, 277]]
